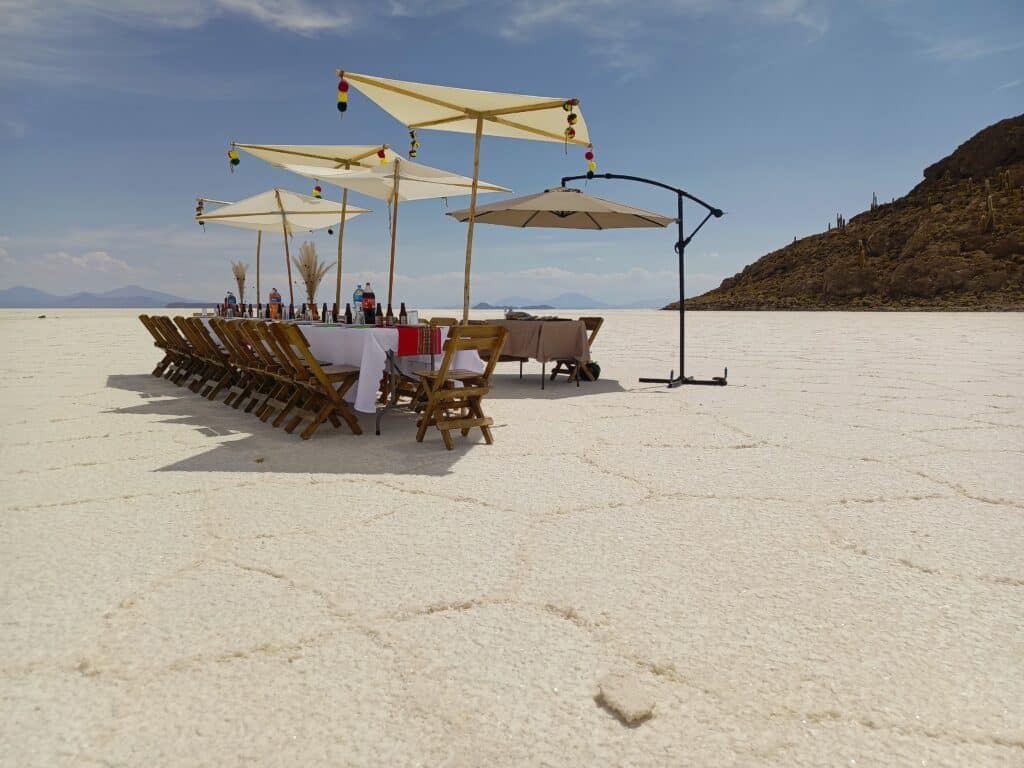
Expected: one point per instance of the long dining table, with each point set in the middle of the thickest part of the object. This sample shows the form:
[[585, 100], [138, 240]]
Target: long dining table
[[366, 347]]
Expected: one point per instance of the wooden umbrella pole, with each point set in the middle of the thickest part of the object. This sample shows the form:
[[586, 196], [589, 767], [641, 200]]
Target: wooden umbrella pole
[[394, 230], [259, 242], [341, 240], [472, 217], [287, 252]]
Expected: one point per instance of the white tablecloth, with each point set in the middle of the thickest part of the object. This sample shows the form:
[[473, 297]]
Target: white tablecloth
[[367, 349]]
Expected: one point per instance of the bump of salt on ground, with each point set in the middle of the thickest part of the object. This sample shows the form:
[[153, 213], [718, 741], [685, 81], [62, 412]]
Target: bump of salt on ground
[[626, 698]]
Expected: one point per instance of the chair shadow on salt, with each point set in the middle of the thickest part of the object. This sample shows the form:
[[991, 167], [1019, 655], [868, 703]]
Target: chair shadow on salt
[[508, 386], [258, 447]]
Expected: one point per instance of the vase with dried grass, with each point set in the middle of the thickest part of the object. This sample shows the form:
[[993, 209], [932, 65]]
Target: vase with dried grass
[[312, 271], [239, 268]]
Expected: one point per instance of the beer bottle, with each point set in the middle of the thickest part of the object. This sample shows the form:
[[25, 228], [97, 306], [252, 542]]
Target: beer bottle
[[403, 315], [348, 314]]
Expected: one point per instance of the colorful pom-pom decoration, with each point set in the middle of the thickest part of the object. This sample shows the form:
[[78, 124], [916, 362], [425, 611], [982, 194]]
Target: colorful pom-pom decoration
[[342, 95], [571, 119], [383, 156], [317, 191], [591, 163], [233, 159], [413, 144], [330, 230]]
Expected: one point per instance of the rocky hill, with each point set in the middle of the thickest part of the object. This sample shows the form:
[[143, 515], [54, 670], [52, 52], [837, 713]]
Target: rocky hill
[[956, 241]]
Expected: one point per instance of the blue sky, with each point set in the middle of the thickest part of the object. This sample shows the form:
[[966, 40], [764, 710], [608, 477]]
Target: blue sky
[[115, 114]]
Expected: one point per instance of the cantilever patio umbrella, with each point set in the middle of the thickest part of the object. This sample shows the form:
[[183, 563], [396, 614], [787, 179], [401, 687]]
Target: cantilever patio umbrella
[[443, 108], [278, 210], [326, 157], [567, 208], [564, 208], [401, 180]]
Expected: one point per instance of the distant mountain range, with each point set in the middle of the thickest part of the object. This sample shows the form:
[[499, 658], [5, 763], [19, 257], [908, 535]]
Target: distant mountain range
[[565, 301], [129, 296]]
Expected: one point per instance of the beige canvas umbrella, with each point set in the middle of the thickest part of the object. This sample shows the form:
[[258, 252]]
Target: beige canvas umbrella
[[399, 181], [564, 208], [325, 157], [278, 210], [443, 108]]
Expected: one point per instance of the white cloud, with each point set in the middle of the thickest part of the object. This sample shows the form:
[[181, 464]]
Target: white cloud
[[621, 32], [809, 15], [293, 15], [51, 40], [54, 41], [1011, 84], [178, 260], [966, 48], [92, 261]]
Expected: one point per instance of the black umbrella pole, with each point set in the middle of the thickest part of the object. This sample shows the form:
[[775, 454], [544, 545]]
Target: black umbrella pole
[[673, 381]]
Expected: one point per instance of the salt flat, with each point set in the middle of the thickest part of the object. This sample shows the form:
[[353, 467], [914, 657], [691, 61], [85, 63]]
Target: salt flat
[[820, 564]]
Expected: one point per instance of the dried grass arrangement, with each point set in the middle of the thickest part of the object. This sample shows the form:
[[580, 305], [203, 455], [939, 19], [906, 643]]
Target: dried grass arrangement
[[239, 268], [311, 269]]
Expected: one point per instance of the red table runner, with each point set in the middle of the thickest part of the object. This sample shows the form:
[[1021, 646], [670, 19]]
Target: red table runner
[[418, 340]]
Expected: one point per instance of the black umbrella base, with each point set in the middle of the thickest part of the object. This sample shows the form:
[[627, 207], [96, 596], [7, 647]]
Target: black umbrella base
[[674, 381]]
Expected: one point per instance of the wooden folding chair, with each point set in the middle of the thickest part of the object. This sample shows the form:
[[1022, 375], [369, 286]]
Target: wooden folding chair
[[449, 406], [240, 360], [325, 385], [572, 368], [161, 343], [217, 372], [255, 383], [277, 386], [187, 371], [442, 321]]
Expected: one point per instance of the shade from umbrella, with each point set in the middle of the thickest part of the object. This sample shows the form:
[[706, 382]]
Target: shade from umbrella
[[279, 210], [326, 157], [399, 180], [461, 110], [564, 208]]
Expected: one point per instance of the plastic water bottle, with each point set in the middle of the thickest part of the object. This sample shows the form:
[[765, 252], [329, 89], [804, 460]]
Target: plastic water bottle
[[357, 304]]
